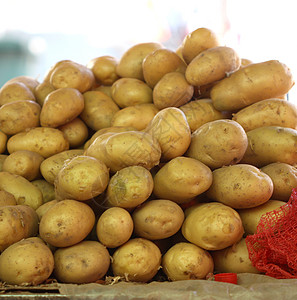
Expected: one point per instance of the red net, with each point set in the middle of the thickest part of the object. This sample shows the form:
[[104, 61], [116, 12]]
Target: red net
[[273, 248]]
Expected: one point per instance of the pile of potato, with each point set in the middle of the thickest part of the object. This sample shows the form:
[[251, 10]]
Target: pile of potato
[[160, 162]]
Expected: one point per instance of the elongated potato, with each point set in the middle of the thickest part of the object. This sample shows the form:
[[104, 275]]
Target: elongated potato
[[253, 83]]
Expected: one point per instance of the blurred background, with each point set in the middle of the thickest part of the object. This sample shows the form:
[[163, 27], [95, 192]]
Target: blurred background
[[36, 34]]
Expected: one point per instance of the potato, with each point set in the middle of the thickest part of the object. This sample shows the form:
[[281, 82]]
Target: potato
[[104, 69], [270, 144], [129, 187], [212, 226], [186, 261], [14, 91], [66, 223], [114, 227], [27, 262], [76, 132], [284, 178], [70, 74], [42, 209], [17, 222], [47, 189], [234, 259], [203, 91], [85, 262], [171, 129], [240, 186], [19, 115], [197, 41], [50, 71], [3, 141], [201, 111], [30, 82], [160, 62], [82, 178], [182, 179], [138, 260], [131, 91], [218, 143], [253, 83], [7, 198], [43, 140], [245, 62], [157, 219], [2, 159], [24, 163], [250, 217], [105, 89], [42, 90], [98, 110], [136, 116], [212, 65], [172, 90], [130, 64], [51, 166], [269, 112], [21, 188], [124, 149]]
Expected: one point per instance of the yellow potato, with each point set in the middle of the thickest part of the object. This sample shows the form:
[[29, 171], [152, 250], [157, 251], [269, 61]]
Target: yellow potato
[[51, 166], [131, 91], [136, 116], [245, 62], [271, 144], [42, 90], [114, 227], [30, 82], [171, 129], [218, 143], [2, 159], [129, 187], [186, 261], [212, 65], [197, 41], [105, 89], [21, 188], [98, 110], [201, 111], [47, 189], [138, 260], [182, 179], [66, 223], [3, 141], [269, 112], [157, 219], [160, 62], [240, 186], [50, 71], [212, 226], [7, 198], [253, 83], [42, 209], [85, 262], [43, 140], [19, 115], [172, 90], [130, 64]]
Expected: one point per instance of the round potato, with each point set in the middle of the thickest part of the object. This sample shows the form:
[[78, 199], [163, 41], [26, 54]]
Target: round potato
[[42, 90], [98, 110], [47, 189], [218, 143], [130, 64], [30, 82], [157, 219], [114, 227], [105, 89], [240, 186], [138, 260], [42, 209], [131, 91], [85, 262], [24, 163], [7, 198], [186, 261], [27, 262], [182, 179], [3, 142], [160, 62], [19, 115], [212, 226], [129, 187], [104, 69], [82, 178], [212, 65], [136, 116], [66, 223], [43, 140], [50, 71]]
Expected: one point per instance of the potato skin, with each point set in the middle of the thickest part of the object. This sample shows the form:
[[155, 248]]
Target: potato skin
[[7, 198], [253, 83], [240, 186], [3, 142]]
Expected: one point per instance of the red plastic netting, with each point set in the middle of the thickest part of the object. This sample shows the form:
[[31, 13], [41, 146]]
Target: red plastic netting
[[273, 248]]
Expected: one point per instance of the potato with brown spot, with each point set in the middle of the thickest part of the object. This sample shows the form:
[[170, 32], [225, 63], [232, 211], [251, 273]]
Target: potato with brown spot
[[7, 198]]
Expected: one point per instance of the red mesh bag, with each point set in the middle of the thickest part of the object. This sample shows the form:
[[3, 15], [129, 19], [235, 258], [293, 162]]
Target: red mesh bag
[[273, 248]]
